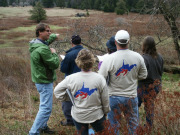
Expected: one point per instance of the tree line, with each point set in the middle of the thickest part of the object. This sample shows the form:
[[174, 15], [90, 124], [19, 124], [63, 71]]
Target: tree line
[[118, 6]]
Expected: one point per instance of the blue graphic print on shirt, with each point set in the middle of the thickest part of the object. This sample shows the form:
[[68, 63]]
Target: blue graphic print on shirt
[[124, 69], [84, 92]]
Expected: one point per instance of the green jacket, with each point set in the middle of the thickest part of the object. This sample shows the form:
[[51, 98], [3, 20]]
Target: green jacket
[[43, 62]]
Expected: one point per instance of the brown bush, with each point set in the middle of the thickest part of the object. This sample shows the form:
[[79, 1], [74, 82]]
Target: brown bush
[[13, 35], [13, 22], [2, 42], [14, 73]]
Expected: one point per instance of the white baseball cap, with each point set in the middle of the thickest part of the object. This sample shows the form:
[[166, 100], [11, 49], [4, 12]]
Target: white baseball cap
[[122, 34]]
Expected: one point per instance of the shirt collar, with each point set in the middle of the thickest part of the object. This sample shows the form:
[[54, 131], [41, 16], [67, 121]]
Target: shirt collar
[[44, 42]]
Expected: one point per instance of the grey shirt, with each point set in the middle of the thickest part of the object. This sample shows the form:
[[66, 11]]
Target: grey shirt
[[124, 68], [90, 94]]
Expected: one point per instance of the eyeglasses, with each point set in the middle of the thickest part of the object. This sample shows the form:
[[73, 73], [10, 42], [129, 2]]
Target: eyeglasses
[[47, 30]]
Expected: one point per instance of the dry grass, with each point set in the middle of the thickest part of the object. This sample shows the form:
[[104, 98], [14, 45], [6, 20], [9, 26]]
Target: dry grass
[[13, 22], [23, 11]]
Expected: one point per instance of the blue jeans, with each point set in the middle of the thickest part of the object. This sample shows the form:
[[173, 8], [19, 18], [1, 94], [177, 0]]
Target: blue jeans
[[147, 93], [129, 106], [82, 128], [45, 107]]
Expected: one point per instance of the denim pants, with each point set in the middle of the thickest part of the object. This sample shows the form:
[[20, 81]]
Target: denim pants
[[82, 128], [45, 107], [147, 93], [129, 106], [66, 108]]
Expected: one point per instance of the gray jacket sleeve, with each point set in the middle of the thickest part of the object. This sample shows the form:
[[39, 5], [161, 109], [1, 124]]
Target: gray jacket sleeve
[[105, 98]]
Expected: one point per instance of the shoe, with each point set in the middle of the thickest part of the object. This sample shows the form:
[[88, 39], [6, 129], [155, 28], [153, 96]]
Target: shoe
[[67, 123], [47, 130]]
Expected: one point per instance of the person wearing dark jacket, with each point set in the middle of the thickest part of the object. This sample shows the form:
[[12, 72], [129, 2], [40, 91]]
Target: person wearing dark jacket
[[44, 61], [68, 66], [150, 87]]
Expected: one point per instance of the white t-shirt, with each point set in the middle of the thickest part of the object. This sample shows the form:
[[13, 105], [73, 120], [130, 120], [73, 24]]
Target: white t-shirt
[[124, 68], [90, 94]]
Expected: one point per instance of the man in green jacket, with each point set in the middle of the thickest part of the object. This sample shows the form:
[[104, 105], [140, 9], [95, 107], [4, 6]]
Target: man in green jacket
[[44, 61]]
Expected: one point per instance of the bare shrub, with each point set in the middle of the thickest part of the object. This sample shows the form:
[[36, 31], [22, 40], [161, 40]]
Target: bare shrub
[[2, 42], [167, 118], [13, 22], [171, 58], [15, 72], [12, 35], [20, 43]]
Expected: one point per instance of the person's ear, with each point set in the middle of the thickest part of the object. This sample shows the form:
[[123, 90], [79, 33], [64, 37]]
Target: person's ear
[[116, 43], [40, 32]]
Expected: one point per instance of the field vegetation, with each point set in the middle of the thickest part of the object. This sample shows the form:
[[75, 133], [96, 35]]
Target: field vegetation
[[19, 99]]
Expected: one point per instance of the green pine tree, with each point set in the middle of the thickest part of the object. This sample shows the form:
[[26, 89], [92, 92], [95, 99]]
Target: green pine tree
[[11, 2], [97, 4], [106, 8], [48, 3], [37, 13], [60, 3], [121, 7], [3, 3], [69, 4], [139, 6]]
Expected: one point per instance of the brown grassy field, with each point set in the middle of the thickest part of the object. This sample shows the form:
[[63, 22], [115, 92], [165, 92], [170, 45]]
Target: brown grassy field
[[19, 97]]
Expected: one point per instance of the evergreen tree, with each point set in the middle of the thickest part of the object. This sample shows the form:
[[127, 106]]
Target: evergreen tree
[[37, 13], [130, 4], [97, 4], [139, 6], [91, 4], [109, 6], [48, 3], [87, 13], [60, 3], [150, 4], [121, 7], [11, 2], [83, 6], [33, 3], [106, 8], [69, 4], [18, 1], [3, 3]]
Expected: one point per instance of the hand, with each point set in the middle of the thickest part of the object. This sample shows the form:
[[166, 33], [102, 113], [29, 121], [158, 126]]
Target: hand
[[53, 50], [57, 36]]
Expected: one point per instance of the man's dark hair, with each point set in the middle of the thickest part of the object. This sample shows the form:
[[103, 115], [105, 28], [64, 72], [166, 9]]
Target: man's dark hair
[[123, 43], [149, 46], [110, 51], [40, 28], [76, 39]]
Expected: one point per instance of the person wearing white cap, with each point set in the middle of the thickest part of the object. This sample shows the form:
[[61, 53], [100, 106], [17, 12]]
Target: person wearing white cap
[[124, 68]]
